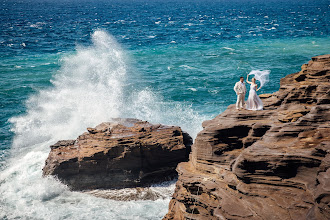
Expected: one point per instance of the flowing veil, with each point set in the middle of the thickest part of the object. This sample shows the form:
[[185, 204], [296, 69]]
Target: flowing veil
[[261, 76]]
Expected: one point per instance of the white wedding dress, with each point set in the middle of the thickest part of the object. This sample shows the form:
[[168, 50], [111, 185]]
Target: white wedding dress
[[254, 102]]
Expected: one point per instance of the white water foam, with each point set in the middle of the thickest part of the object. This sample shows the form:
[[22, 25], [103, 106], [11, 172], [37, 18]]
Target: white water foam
[[187, 67], [228, 48], [90, 88]]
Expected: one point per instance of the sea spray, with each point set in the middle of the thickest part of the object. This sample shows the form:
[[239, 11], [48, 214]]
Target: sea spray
[[90, 87], [261, 76], [86, 90]]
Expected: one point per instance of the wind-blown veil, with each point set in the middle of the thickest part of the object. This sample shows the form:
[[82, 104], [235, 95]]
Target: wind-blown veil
[[261, 76]]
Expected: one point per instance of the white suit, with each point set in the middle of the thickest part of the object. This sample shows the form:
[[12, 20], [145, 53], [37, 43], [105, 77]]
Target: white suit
[[240, 90]]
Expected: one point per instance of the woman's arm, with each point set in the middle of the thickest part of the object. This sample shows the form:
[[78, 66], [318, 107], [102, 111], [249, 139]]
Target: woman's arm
[[247, 79], [257, 87]]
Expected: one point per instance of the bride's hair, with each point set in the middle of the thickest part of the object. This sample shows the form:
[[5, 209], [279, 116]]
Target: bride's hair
[[253, 79]]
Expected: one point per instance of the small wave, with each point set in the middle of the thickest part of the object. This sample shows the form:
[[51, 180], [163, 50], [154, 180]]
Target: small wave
[[211, 55], [213, 91], [189, 24], [119, 22], [37, 25], [228, 48], [273, 28], [124, 22], [192, 89], [187, 67], [151, 36]]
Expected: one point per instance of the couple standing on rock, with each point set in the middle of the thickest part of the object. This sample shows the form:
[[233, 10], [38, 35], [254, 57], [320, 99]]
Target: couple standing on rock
[[253, 102]]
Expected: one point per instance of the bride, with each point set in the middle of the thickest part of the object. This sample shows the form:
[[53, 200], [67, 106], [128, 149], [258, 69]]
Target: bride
[[253, 102]]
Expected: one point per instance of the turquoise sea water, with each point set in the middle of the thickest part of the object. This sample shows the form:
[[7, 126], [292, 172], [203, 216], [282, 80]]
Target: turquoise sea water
[[66, 65]]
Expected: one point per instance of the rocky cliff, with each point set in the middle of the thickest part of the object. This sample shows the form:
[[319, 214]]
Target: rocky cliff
[[270, 164], [119, 154]]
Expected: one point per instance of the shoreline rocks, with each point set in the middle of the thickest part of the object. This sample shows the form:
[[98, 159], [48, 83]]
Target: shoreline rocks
[[120, 154], [270, 164]]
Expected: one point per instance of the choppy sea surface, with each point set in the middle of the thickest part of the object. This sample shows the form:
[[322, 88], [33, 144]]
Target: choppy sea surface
[[66, 65]]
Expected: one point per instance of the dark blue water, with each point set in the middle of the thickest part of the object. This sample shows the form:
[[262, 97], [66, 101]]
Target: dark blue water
[[178, 63]]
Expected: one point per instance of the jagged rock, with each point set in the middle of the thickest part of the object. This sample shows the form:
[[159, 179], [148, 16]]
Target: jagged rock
[[119, 154], [270, 164]]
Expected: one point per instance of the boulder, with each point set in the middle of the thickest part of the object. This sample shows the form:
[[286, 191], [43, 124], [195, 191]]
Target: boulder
[[270, 164], [119, 154]]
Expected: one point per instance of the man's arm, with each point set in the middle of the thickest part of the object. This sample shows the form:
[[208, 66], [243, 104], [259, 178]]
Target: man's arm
[[235, 87]]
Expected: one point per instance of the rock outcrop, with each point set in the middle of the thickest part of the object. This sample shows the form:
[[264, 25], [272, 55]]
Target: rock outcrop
[[270, 164], [119, 154]]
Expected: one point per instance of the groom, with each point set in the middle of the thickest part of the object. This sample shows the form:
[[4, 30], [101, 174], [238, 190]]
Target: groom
[[240, 90]]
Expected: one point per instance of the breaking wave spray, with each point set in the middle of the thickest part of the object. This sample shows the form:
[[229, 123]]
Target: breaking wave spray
[[91, 87]]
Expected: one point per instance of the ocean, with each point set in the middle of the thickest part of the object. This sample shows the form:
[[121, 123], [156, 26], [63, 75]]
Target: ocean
[[67, 65]]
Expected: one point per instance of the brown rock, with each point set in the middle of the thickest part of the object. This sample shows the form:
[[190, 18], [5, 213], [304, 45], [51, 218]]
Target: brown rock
[[119, 154], [270, 164]]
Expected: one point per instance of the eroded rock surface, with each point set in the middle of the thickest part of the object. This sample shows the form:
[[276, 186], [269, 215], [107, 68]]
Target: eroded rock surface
[[270, 164], [119, 154]]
